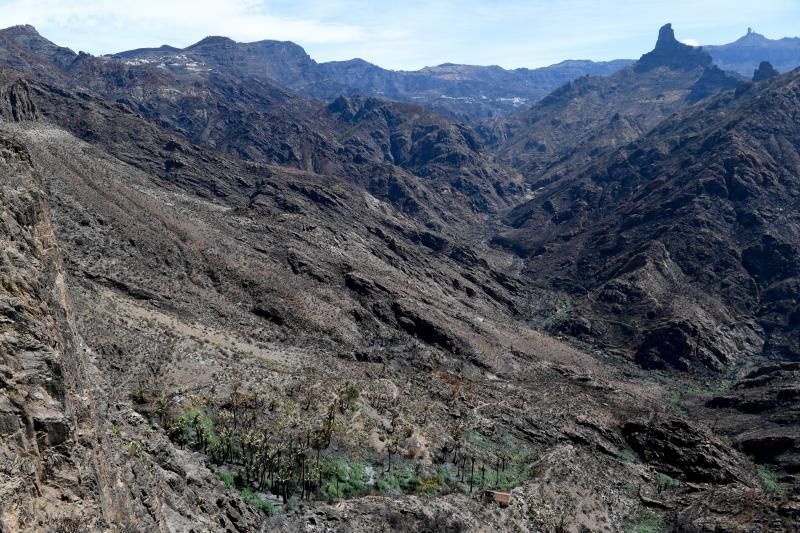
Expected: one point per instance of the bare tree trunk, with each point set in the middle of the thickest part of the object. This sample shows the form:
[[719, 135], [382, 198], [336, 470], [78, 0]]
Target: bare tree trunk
[[471, 475], [303, 478]]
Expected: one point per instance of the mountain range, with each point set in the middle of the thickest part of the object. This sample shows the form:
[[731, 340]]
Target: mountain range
[[241, 291], [743, 54], [467, 92]]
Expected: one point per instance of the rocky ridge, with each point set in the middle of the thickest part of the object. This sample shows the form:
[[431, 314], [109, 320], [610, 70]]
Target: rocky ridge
[[585, 118], [466, 92], [745, 54]]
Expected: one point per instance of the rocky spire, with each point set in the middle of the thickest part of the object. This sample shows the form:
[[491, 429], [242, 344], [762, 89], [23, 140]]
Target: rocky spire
[[666, 38], [673, 54], [751, 36], [765, 71]]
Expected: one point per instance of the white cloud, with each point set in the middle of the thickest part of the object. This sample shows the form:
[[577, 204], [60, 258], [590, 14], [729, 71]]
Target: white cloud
[[103, 23], [691, 42]]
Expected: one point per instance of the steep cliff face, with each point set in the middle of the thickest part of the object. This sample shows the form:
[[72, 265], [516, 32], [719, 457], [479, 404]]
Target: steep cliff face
[[16, 103], [40, 464]]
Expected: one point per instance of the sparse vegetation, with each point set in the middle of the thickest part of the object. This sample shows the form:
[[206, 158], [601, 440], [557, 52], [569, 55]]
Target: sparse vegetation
[[627, 456], [666, 483], [647, 522], [133, 449], [769, 481], [226, 478], [253, 499], [677, 405], [279, 442]]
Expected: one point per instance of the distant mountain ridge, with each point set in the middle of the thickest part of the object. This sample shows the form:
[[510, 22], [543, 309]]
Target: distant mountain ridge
[[582, 118], [470, 93], [745, 54], [467, 92]]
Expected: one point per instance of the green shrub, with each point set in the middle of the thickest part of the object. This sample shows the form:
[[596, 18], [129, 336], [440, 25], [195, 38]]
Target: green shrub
[[358, 477], [343, 480], [443, 475], [627, 456], [666, 482], [133, 449], [254, 500], [384, 486], [769, 482], [647, 522], [676, 403], [227, 478]]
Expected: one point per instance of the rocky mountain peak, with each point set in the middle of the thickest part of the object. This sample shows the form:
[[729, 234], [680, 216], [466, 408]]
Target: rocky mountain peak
[[25, 37], [765, 71], [213, 41], [669, 52], [666, 37], [22, 29], [751, 36]]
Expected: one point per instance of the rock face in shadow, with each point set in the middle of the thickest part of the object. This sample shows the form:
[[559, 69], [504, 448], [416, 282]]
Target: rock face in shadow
[[684, 241], [765, 71], [15, 102], [761, 413], [684, 452]]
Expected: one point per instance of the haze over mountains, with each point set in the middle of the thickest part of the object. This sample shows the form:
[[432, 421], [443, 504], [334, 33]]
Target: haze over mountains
[[466, 92], [241, 290]]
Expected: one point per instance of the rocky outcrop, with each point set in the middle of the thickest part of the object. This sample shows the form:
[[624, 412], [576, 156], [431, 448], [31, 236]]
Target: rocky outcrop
[[682, 345], [676, 447], [761, 414], [591, 116], [765, 71], [16, 103], [671, 53]]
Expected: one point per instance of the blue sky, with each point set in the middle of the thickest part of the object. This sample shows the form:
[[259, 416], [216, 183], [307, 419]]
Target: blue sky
[[410, 34]]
